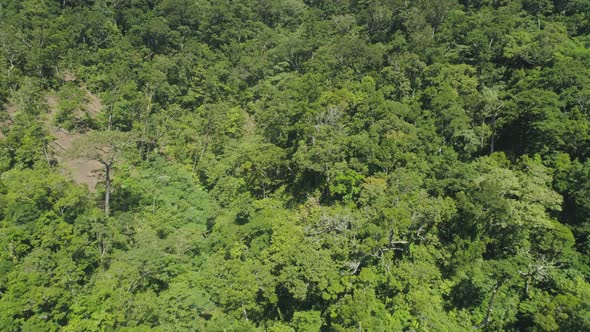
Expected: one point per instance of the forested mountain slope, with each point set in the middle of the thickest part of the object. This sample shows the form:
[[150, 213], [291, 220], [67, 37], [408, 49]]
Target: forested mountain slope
[[296, 165]]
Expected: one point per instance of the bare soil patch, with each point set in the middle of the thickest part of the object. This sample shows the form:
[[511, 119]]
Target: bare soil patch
[[94, 104], [69, 76], [82, 171], [11, 110]]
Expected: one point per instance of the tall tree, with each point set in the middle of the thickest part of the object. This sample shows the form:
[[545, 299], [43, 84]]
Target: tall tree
[[105, 147]]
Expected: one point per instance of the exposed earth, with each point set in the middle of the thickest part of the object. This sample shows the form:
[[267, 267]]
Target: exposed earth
[[82, 171]]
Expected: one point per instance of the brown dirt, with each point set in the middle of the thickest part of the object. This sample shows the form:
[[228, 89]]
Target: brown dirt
[[86, 172], [11, 110], [94, 104], [82, 171], [51, 101], [69, 76]]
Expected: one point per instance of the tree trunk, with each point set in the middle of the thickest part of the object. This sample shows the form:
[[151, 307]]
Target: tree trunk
[[493, 134], [107, 194], [47, 157], [486, 320]]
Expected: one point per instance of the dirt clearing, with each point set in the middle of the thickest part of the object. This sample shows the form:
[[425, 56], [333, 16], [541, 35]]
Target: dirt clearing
[[82, 171]]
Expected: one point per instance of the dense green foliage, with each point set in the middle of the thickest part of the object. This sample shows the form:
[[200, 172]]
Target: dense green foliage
[[297, 165]]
